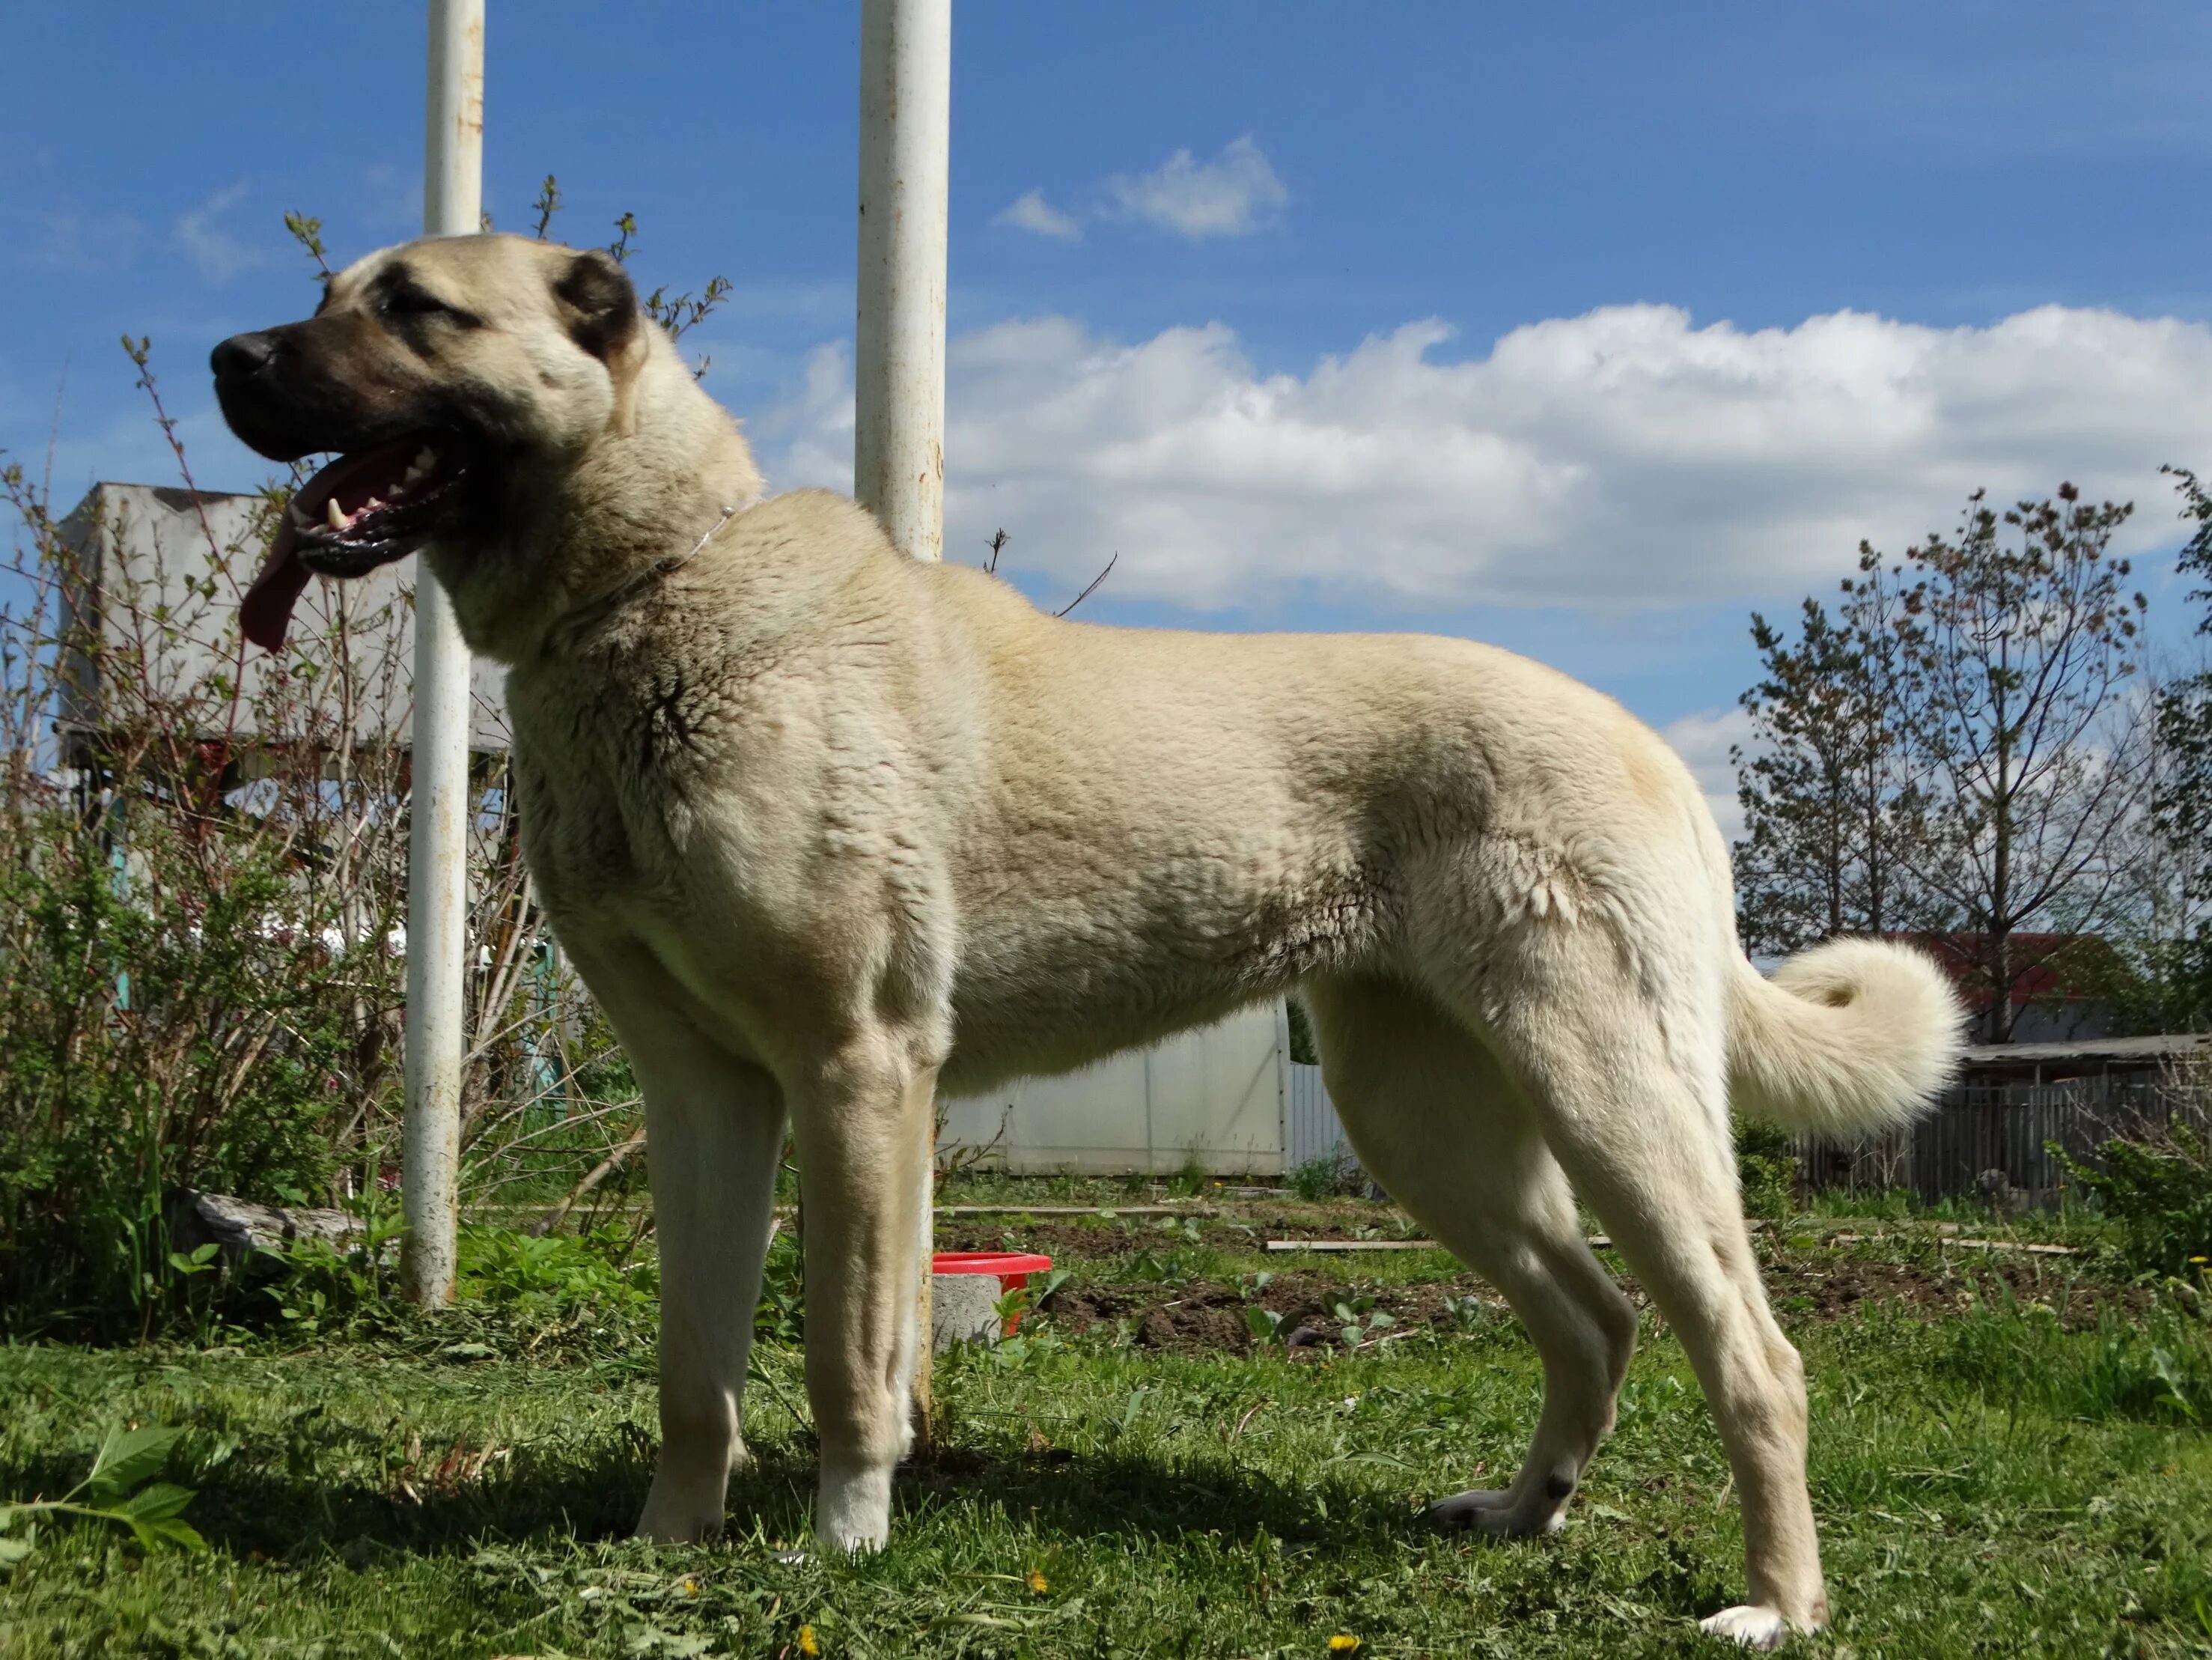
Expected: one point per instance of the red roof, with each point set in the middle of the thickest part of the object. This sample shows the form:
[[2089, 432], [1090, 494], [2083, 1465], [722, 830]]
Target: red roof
[[2046, 967]]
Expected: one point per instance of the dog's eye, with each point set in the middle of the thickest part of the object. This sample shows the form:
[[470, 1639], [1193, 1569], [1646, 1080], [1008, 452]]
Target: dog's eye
[[413, 302]]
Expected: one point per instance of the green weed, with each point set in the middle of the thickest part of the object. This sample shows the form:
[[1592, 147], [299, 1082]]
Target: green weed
[[119, 1488], [2158, 1194]]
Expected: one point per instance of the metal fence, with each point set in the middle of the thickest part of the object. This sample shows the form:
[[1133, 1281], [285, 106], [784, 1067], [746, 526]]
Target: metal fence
[[1984, 1141], [1991, 1141], [1311, 1130]]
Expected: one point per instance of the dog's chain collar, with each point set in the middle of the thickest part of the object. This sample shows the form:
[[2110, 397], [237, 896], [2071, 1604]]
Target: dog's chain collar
[[659, 569]]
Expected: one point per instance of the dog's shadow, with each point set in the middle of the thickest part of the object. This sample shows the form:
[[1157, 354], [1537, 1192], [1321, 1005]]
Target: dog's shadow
[[1123, 1493], [593, 1491]]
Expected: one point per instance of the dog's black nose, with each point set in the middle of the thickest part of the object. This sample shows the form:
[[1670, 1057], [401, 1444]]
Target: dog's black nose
[[241, 354]]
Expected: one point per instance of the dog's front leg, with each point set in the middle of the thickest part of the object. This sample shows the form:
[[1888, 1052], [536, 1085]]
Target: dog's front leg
[[714, 1137], [862, 1123], [713, 1143]]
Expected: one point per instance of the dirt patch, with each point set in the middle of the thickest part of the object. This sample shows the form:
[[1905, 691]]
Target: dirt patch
[[1063, 1242], [1832, 1287], [1202, 1318], [1804, 1281], [1092, 1239], [1206, 1318]]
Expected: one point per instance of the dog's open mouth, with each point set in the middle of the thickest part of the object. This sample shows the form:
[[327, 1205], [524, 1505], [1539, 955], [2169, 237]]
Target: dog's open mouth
[[363, 510]]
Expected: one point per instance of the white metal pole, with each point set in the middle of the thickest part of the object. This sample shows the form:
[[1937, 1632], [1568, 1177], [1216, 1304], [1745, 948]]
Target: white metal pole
[[906, 101], [898, 373], [437, 852]]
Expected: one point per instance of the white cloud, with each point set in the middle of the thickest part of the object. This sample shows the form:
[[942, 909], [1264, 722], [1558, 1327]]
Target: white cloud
[[1235, 194], [218, 254], [1703, 740], [1031, 212], [1621, 459], [73, 239], [815, 428]]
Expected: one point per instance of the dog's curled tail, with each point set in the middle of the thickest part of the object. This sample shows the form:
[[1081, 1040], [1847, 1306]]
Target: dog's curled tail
[[1853, 1036]]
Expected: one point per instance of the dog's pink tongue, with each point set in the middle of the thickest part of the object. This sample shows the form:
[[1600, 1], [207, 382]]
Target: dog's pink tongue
[[266, 610]]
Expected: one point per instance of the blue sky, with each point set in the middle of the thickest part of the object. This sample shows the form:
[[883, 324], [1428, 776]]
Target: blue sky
[[1583, 328]]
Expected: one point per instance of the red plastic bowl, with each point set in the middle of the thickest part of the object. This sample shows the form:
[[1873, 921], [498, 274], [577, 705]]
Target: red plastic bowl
[[1010, 1268]]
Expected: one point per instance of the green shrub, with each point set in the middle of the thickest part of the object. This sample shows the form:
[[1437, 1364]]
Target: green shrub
[[781, 1317], [154, 1036], [2158, 1195], [1319, 1179], [561, 1275], [199, 986], [1766, 1169]]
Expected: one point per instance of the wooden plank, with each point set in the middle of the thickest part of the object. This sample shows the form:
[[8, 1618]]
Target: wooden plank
[[1353, 1244], [1075, 1210], [1948, 1242], [1601, 1242]]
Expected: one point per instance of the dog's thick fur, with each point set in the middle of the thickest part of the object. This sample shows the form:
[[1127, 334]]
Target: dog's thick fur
[[826, 830]]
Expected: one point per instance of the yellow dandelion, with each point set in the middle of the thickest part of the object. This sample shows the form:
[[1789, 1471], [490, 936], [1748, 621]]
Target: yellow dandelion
[[2197, 1259], [1036, 1581], [807, 1645], [1343, 1643], [691, 1587]]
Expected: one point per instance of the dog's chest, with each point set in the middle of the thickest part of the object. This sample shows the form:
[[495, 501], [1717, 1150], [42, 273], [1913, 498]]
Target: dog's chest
[[602, 796]]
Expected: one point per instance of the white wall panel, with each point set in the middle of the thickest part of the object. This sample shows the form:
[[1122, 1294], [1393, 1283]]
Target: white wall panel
[[1215, 1094]]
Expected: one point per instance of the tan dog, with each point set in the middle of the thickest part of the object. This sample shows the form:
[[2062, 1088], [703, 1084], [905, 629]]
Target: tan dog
[[827, 830]]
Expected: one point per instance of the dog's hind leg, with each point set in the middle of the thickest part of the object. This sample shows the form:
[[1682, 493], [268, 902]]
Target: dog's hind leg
[[861, 1118], [1632, 1099], [713, 1139], [1437, 1122]]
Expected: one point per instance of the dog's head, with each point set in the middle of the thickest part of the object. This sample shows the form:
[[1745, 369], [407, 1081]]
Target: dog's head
[[447, 374]]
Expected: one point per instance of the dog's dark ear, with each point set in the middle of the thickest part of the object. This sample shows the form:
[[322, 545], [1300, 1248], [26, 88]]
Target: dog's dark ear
[[604, 316]]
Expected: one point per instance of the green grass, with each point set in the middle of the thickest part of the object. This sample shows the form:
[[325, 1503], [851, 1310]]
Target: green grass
[[1992, 1478], [350, 1509]]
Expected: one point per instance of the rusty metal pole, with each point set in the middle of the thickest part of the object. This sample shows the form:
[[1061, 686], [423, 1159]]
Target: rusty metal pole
[[437, 846], [899, 433]]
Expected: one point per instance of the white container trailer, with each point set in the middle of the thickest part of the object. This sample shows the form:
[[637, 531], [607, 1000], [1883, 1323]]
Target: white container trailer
[[1226, 1098], [157, 574]]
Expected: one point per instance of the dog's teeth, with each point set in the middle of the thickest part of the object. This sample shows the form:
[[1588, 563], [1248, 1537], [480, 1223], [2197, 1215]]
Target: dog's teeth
[[333, 514], [425, 459]]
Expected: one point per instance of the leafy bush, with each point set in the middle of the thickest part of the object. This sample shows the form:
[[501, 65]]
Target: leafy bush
[[781, 1317], [557, 1275], [2158, 1194], [1319, 1179], [513, 1291], [200, 929], [119, 1488], [1766, 1169]]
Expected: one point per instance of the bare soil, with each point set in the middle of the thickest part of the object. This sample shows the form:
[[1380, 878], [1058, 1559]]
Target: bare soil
[[1805, 1282]]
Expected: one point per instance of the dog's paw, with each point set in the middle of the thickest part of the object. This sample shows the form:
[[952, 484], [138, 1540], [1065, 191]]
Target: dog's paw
[[1748, 1626], [853, 1509], [679, 1513], [690, 1491], [1494, 1511]]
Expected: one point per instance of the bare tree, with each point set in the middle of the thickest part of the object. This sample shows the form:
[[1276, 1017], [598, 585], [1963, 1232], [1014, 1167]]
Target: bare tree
[[2018, 641], [1830, 808]]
